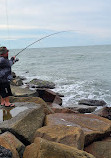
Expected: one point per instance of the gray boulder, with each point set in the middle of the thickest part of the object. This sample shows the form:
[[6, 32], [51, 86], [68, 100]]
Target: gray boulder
[[37, 83], [83, 108], [92, 102], [23, 92], [26, 119]]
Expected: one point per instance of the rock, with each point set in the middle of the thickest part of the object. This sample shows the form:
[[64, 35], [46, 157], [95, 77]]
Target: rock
[[24, 124], [59, 109], [83, 108], [37, 100], [57, 100], [49, 96], [94, 127], [16, 82], [72, 136], [42, 148], [91, 102], [104, 112], [41, 84], [5, 153], [11, 150], [13, 142], [23, 92], [100, 149], [60, 95]]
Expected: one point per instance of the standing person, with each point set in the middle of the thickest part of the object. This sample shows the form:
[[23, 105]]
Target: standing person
[[5, 76]]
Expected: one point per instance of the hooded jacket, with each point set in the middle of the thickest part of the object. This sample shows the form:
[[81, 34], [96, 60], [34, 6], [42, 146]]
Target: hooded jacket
[[5, 69]]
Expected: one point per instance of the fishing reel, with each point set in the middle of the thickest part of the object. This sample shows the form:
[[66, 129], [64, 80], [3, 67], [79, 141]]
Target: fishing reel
[[16, 59]]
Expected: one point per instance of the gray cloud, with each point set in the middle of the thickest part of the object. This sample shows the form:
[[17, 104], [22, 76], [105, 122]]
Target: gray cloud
[[91, 17]]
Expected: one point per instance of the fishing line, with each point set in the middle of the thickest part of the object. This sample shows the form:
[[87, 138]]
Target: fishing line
[[6, 4], [39, 40]]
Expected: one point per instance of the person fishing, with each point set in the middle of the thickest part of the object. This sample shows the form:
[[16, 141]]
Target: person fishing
[[5, 77]]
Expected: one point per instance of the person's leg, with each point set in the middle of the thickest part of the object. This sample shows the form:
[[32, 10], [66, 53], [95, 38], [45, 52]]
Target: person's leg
[[2, 101], [7, 102], [5, 93]]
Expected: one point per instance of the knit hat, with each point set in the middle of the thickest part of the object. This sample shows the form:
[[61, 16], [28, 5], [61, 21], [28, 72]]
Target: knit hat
[[3, 50]]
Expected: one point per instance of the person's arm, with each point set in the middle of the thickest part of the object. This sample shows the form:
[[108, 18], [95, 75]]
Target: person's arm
[[5, 66], [12, 61]]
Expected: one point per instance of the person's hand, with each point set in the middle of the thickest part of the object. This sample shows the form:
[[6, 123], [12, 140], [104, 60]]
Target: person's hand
[[13, 58]]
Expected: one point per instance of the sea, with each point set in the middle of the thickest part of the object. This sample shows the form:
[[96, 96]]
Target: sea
[[79, 72]]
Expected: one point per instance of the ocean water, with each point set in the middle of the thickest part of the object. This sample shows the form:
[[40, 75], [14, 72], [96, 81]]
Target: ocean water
[[79, 72]]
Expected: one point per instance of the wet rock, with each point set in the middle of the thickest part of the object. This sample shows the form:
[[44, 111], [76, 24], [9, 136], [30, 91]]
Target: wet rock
[[37, 100], [17, 82], [104, 112], [11, 149], [46, 149], [13, 143], [49, 96], [72, 136], [41, 84], [100, 149], [5, 153], [83, 108], [91, 102], [59, 109], [94, 127], [24, 124], [23, 92], [60, 95]]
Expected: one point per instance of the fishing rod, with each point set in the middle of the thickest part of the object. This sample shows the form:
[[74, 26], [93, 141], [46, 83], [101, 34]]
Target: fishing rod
[[39, 40]]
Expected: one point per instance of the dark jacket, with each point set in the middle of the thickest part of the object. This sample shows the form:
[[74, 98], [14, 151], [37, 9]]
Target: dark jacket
[[5, 69]]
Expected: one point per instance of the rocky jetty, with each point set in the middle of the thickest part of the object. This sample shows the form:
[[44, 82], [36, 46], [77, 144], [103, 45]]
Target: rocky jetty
[[34, 133], [40, 127]]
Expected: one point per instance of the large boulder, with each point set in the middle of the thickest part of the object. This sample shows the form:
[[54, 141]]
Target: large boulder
[[49, 96], [72, 136], [42, 148], [92, 102], [37, 83], [94, 127], [104, 112], [59, 109], [23, 92], [37, 100], [9, 141], [26, 119], [11, 150], [83, 108], [100, 149]]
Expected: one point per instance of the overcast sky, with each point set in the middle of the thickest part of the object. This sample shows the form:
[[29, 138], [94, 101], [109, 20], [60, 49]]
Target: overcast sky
[[24, 21]]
